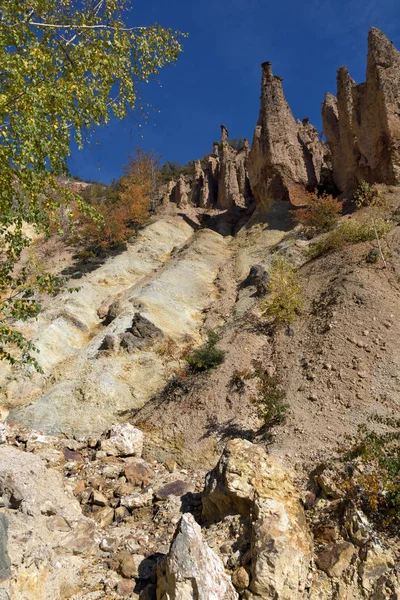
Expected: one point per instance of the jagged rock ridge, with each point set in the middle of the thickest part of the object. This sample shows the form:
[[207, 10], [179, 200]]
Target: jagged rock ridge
[[219, 181], [362, 124]]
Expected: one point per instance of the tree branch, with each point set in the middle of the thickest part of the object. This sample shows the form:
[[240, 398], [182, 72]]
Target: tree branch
[[60, 26]]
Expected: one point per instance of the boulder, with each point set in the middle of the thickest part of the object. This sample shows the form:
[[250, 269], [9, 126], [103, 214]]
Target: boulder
[[144, 329], [47, 548], [192, 571], [124, 440], [375, 562], [336, 559], [247, 482], [138, 473], [130, 342]]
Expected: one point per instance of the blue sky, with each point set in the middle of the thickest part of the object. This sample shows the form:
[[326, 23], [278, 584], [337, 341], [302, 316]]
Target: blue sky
[[217, 78]]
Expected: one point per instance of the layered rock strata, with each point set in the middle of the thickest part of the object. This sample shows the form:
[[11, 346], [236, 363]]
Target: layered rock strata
[[362, 124], [287, 156]]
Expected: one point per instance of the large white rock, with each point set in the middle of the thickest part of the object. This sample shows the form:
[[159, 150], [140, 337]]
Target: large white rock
[[192, 570], [124, 440]]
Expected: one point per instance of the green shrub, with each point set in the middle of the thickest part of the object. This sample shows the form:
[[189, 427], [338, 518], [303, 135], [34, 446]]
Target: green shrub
[[269, 401], [207, 356], [350, 232], [285, 299], [376, 487]]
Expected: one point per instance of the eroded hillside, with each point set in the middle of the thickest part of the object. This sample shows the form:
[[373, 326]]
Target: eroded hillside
[[135, 467]]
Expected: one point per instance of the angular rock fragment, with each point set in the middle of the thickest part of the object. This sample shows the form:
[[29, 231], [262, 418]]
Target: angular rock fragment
[[247, 482], [192, 571]]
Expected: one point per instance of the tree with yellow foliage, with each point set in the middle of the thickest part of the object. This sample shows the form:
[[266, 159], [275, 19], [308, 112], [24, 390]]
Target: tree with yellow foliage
[[65, 68]]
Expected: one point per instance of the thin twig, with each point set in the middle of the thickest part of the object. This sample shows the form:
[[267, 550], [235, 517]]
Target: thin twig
[[60, 26], [379, 245]]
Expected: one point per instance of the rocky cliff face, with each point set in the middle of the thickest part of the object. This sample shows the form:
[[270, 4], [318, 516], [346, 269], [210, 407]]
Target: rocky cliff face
[[362, 124], [219, 181], [286, 155]]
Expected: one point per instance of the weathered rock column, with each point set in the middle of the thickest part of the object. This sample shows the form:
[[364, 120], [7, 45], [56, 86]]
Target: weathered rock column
[[280, 161], [362, 126]]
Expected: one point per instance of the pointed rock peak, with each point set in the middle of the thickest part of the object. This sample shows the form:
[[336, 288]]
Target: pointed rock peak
[[224, 135], [377, 37], [285, 154], [343, 76], [330, 98], [363, 134], [381, 51]]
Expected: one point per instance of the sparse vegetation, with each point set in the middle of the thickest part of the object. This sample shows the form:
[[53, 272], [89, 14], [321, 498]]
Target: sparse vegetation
[[284, 301], [170, 171], [238, 380], [376, 487], [372, 256], [320, 215], [270, 399], [237, 143], [207, 356], [349, 232]]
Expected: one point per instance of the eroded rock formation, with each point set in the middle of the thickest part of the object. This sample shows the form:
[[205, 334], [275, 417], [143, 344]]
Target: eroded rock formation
[[219, 181], [362, 124], [287, 155]]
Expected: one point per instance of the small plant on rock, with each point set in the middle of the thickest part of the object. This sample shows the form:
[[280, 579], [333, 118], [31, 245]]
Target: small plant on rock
[[285, 299], [320, 215], [207, 356], [270, 399]]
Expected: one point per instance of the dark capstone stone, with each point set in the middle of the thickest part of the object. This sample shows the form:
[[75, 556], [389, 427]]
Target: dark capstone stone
[[113, 311], [259, 278], [110, 342], [143, 328], [130, 342]]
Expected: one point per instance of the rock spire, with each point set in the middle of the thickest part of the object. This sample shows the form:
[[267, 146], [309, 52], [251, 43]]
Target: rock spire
[[286, 154], [362, 124]]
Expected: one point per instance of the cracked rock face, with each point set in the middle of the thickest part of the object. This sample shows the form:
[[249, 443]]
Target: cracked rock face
[[362, 124], [247, 482], [287, 155]]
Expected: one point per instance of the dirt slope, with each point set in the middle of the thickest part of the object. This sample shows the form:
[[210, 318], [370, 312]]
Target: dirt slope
[[339, 363]]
